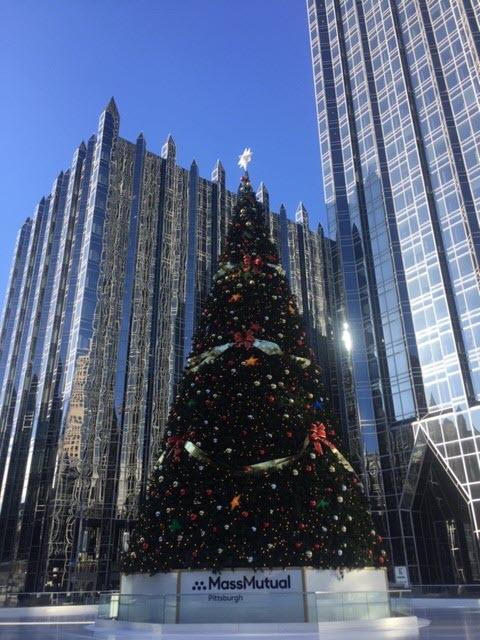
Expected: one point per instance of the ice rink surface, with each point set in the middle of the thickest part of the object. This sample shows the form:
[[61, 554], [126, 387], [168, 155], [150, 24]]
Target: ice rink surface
[[448, 624]]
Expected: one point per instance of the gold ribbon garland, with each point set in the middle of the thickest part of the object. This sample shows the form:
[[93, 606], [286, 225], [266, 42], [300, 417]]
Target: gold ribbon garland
[[229, 267], [261, 467], [252, 469], [270, 348]]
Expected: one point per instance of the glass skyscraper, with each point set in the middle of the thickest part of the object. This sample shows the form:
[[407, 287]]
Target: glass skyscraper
[[107, 282], [397, 85]]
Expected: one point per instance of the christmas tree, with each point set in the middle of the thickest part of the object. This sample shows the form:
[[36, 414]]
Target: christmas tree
[[250, 474]]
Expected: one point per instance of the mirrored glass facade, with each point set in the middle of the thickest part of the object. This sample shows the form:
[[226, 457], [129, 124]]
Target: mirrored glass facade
[[397, 85], [108, 279]]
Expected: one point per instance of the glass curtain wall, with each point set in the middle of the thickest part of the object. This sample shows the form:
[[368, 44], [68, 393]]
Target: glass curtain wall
[[397, 85]]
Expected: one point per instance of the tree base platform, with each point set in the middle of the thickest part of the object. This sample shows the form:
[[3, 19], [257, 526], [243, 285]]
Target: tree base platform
[[293, 595]]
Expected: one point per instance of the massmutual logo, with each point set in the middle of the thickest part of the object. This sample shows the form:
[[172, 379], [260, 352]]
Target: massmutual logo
[[254, 583]]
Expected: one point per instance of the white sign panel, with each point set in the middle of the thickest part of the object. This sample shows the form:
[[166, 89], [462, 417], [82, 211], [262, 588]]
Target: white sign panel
[[242, 595], [401, 576]]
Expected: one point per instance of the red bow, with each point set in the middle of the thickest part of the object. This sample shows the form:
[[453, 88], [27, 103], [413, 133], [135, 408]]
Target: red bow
[[250, 263], [318, 436], [244, 340], [177, 443]]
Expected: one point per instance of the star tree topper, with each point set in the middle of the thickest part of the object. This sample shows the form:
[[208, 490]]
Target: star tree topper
[[245, 158]]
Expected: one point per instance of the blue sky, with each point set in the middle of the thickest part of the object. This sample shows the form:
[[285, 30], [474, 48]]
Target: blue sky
[[218, 75]]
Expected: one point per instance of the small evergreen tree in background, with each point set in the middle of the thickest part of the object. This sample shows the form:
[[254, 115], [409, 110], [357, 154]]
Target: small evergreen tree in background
[[250, 475]]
